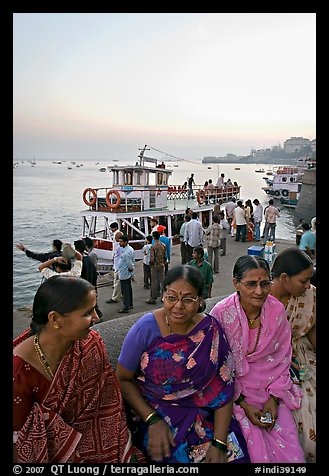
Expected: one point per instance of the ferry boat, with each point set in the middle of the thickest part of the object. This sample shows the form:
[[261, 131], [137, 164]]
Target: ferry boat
[[140, 192], [285, 185]]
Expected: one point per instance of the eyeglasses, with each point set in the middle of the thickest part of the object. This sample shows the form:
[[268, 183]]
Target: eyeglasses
[[253, 284], [187, 301]]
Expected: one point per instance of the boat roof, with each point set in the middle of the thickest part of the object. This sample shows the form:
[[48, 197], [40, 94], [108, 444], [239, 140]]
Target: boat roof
[[140, 167]]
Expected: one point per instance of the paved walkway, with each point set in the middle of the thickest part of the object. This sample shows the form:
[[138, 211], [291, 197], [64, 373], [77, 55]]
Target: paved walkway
[[222, 285]]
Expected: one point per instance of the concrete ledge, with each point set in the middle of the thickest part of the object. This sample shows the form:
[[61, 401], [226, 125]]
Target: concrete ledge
[[114, 331]]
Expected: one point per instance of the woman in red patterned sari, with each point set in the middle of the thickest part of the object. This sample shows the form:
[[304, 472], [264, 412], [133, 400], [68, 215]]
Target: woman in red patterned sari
[[67, 401]]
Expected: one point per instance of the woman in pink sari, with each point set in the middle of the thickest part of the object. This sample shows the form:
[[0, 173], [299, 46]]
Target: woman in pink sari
[[259, 335], [66, 400]]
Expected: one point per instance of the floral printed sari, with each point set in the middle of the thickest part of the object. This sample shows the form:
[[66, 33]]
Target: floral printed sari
[[185, 378]]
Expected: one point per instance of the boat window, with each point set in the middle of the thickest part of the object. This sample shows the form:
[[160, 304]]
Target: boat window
[[115, 177], [128, 178], [159, 179], [291, 179], [284, 179], [138, 177]]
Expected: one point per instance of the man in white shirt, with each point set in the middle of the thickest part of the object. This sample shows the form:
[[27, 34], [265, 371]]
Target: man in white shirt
[[220, 181], [61, 266], [258, 216], [229, 211], [193, 235], [117, 253], [240, 221]]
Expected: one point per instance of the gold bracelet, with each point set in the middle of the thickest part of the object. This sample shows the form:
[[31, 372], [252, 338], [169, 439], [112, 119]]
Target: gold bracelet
[[220, 441], [149, 417]]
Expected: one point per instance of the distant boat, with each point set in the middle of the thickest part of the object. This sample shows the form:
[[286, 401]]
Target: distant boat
[[260, 170], [209, 167], [102, 169], [236, 168], [70, 168]]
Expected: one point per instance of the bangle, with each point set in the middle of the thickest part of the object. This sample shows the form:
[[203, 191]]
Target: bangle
[[221, 445], [152, 418], [149, 416], [239, 399]]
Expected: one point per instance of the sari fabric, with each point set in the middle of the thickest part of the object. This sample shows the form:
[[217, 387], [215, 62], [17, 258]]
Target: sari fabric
[[81, 418], [302, 318], [261, 373], [185, 378]]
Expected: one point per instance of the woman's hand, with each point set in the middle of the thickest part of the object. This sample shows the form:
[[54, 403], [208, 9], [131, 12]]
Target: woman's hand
[[254, 414], [271, 406], [215, 455], [160, 441]]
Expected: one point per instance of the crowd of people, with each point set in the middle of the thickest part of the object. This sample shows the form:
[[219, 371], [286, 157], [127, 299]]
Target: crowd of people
[[233, 385]]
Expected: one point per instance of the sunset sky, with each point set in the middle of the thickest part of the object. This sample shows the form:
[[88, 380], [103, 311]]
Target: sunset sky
[[101, 85]]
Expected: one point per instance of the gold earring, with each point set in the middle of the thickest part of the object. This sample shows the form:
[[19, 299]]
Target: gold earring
[[56, 326]]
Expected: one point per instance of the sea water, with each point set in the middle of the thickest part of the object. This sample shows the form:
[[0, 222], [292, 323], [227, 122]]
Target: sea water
[[47, 199]]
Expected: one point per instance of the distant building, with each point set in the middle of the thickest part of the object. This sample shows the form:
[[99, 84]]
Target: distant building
[[295, 144]]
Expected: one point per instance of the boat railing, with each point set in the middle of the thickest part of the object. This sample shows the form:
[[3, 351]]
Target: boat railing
[[125, 199], [176, 192], [152, 197]]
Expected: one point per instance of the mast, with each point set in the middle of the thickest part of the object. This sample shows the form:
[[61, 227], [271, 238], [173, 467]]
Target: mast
[[141, 155]]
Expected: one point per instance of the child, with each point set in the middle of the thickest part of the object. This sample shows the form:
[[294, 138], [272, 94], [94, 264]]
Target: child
[[250, 231], [146, 262], [224, 232]]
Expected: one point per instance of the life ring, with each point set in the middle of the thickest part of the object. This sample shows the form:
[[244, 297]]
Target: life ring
[[108, 201], [285, 192], [276, 193], [201, 196], [92, 202]]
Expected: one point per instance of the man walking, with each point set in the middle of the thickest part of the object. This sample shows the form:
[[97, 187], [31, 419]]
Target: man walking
[[117, 253], [271, 214], [229, 211], [258, 216], [190, 186], [158, 256], [240, 221], [126, 269], [213, 233], [193, 235]]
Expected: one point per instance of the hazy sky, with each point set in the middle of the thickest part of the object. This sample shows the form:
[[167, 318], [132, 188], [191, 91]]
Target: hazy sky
[[101, 85]]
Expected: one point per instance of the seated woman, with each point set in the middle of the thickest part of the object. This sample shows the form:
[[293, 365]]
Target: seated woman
[[176, 373], [292, 273], [259, 335], [67, 402]]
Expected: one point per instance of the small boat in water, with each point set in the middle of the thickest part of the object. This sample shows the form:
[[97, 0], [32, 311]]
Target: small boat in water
[[285, 185], [260, 171]]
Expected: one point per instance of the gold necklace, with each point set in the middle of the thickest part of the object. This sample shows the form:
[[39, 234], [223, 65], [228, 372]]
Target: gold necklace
[[251, 321], [167, 322], [42, 358], [257, 340]]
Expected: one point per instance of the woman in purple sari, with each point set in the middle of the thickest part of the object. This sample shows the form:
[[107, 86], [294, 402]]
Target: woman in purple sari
[[176, 372]]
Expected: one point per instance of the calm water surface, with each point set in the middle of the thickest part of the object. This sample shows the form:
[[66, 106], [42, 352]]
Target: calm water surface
[[48, 199]]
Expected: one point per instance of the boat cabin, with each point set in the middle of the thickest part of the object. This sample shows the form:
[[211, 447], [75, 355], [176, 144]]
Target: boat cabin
[[137, 194]]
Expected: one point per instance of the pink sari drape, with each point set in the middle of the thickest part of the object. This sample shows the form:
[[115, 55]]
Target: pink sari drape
[[82, 417], [264, 372]]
